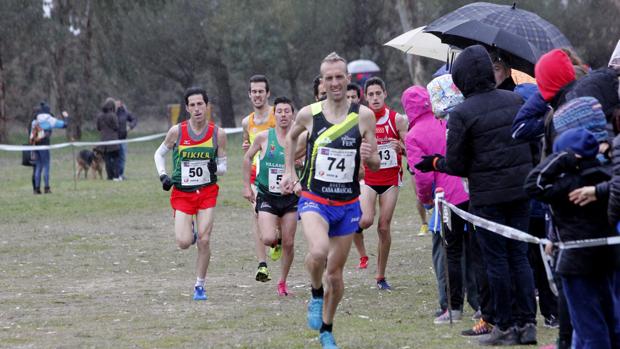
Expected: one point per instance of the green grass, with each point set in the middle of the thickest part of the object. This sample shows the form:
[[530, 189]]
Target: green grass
[[95, 265]]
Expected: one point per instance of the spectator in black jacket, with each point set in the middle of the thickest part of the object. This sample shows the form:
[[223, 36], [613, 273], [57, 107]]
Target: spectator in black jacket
[[480, 147], [107, 124], [126, 121], [613, 209], [587, 273]]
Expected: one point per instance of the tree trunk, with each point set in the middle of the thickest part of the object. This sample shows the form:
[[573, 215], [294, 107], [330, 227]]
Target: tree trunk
[[405, 22], [225, 103], [85, 92], [3, 117]]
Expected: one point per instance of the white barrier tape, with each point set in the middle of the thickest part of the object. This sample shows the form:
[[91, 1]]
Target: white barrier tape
[[514, 234], [8, 147]]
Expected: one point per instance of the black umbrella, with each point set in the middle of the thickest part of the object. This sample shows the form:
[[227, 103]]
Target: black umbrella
[[524, 35]]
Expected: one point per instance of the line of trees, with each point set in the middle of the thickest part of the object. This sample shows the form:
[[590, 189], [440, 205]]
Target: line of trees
[[75, 53]]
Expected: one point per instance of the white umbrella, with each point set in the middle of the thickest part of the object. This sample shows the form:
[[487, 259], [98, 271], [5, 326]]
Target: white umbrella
[[419, 43], [362, 66]]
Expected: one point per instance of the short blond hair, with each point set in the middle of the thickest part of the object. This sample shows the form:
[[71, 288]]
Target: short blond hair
[[334, 58]]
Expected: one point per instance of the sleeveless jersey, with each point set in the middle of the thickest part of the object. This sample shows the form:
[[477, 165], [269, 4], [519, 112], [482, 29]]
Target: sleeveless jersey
[[190, 157], [271, 166], [254, 129], [332, 156], [390, 171]]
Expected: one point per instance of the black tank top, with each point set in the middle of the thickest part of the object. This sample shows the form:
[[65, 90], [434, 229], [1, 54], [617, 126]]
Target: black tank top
[[332, 156]]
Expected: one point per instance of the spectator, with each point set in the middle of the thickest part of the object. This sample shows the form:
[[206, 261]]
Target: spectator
[[427, 136], [126, 121], [107, 124], [40, 134], [502, 71], [587, 273], [613, 210], [480, 148]]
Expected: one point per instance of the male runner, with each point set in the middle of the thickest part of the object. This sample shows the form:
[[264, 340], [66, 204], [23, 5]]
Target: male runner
[[354, 93], [383, 184], [198, 157], [341, 135], [259, 120], [270, 203]]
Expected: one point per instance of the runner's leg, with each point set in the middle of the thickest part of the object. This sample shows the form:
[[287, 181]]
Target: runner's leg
[[288, 226], [204, 222], [339, 247], [315, 231], [183, 229], [387, 204]]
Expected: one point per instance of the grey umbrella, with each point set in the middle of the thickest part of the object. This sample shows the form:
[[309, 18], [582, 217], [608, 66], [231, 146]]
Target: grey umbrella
[[524, 35]]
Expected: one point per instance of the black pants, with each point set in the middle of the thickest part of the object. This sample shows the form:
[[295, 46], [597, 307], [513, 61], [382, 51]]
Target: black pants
[[547, 301], [484, 292], [111, 163], [457, 239], [507, 264]]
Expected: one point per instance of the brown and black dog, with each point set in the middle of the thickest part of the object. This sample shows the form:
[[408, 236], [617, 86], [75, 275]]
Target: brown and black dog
[[87, 159]]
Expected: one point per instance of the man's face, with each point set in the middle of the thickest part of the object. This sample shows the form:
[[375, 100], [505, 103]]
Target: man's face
[[196, 107], [334, 79], [258, 94], [375, 97], [352, 96], [284, 114], [501, 73]]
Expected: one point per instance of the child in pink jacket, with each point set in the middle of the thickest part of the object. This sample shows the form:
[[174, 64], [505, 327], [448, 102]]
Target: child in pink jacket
[[427, 136]]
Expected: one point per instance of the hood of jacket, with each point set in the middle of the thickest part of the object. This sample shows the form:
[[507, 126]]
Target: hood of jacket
[[472, 71], [553, 70], [417, 104]]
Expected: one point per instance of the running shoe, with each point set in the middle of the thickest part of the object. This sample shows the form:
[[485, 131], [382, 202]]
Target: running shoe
[[199, 293], [327, 340], [363, 262], [315, 313], [275, 252], [480, 328], [383, 285], [423, 230], [282, 289], [499, 337], [262, 274], [445, 317]]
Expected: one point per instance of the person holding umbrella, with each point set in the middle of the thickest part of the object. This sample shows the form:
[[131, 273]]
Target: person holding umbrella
[[480, 148]]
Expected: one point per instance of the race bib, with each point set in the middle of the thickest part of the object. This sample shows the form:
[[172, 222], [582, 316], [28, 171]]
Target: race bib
[[387, 154], [195, 172], [275, 176], [335, 165]]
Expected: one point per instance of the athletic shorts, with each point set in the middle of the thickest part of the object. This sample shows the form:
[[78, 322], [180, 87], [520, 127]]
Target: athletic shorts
[[276, 205], [191, 202], [380, 189], [343, 219]]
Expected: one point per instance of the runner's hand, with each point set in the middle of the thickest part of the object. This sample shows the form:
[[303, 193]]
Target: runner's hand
[[245, 146], [166, 182], [396, 145], [248, 194], [365, 151], [212, 166], [287, 184], [297, 189]]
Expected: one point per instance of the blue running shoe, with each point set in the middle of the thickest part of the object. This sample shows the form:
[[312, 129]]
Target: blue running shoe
[[327, 340], [199, 293], [383, 285], [195, 233], [315, 313]]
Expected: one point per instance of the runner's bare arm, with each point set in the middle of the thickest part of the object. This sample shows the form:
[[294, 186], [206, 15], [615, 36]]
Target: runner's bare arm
[[402, 126], [247, 164], [222, 161], [302, 123], [302, 141], [164, 148], [368, 148], [246, 135]]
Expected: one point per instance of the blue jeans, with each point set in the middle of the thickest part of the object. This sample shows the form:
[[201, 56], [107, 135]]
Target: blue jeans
[[594, 306], [121, 160], [42, 166], [507, 264]]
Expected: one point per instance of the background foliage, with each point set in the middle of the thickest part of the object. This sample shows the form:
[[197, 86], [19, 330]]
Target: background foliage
[[74, 53]]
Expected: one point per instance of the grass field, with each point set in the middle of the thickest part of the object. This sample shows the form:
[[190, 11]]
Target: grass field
[[95, 265]]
